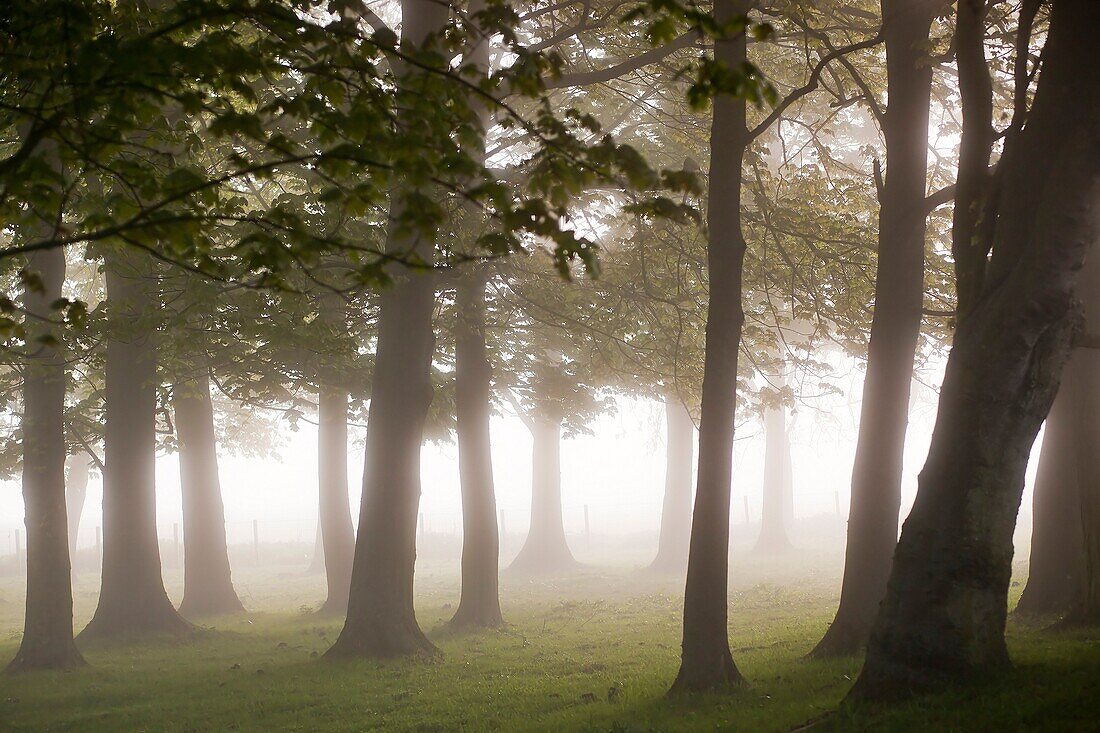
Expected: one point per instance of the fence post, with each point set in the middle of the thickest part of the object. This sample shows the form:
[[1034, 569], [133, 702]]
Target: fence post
[[256, 538]]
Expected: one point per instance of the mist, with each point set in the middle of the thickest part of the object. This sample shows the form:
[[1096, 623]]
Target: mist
[[485, 365]]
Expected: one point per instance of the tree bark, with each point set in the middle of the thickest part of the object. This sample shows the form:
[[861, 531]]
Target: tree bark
[[706, 662], [132, 599], [672, 546], [48, 627], [774, 528], [479, 604], [943, 616], [207, 580], [546, 550], [77, 474], [337, 531], [1057, 546], [895, 328], [1082, 381], [381, 621]]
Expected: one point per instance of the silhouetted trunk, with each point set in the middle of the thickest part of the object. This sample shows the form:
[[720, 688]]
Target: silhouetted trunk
[[381, 621], [207, 581], [479, 604], [1082, 381], [895, 328], [48, 626], [777, 484], [546, 551], [337, 531], [1086, 609], [943, 616], [672, 546], [1056, 544], [132, 598], [706, 661], [77, 474]]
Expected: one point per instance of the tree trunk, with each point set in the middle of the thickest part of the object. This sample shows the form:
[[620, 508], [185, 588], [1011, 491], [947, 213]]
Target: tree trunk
[[132, 599], [381, 621], [943, 616], [895, 328], [337, 531], [1056, 544], [706, 661], [672, 546], [77, 474], [777, 483], [479, 604], [546, 551], [1082, 381], [48, 627], [207, 581]]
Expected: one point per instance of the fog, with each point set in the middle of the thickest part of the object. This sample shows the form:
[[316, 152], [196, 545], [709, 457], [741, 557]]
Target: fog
[[616, 470]]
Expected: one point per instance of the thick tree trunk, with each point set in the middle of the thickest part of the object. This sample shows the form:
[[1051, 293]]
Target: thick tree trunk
[[672, 546], [337, 531], [706, 661], [479, 604], [132, 599], [546, 551], [207, 580], [1082, 381], [77, 474], [774, 528], [381, 621], [943, 616], [895, 328], [48, 627], [1056, 544]]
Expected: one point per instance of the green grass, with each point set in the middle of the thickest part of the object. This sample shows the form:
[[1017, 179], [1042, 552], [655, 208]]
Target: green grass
[[568, 645]]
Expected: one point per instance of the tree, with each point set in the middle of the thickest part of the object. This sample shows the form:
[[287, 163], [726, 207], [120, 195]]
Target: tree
[[132, 599], [207, 580], [778, 484], [895, 327], [1081, 381], [546, 550], [77, 473], [381, 620], [334, 507], [48, 630], [706, 661], [479, 603], [943, 616], [1056, 544], [672, 544]]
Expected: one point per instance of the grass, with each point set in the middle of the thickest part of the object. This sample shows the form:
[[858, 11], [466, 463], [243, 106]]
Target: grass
[[595, 652]]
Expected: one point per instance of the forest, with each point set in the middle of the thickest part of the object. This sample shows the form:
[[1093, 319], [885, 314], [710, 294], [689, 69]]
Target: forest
[[596, 365]]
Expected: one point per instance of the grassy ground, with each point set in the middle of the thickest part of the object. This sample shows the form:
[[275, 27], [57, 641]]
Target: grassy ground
[[595, 652]]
